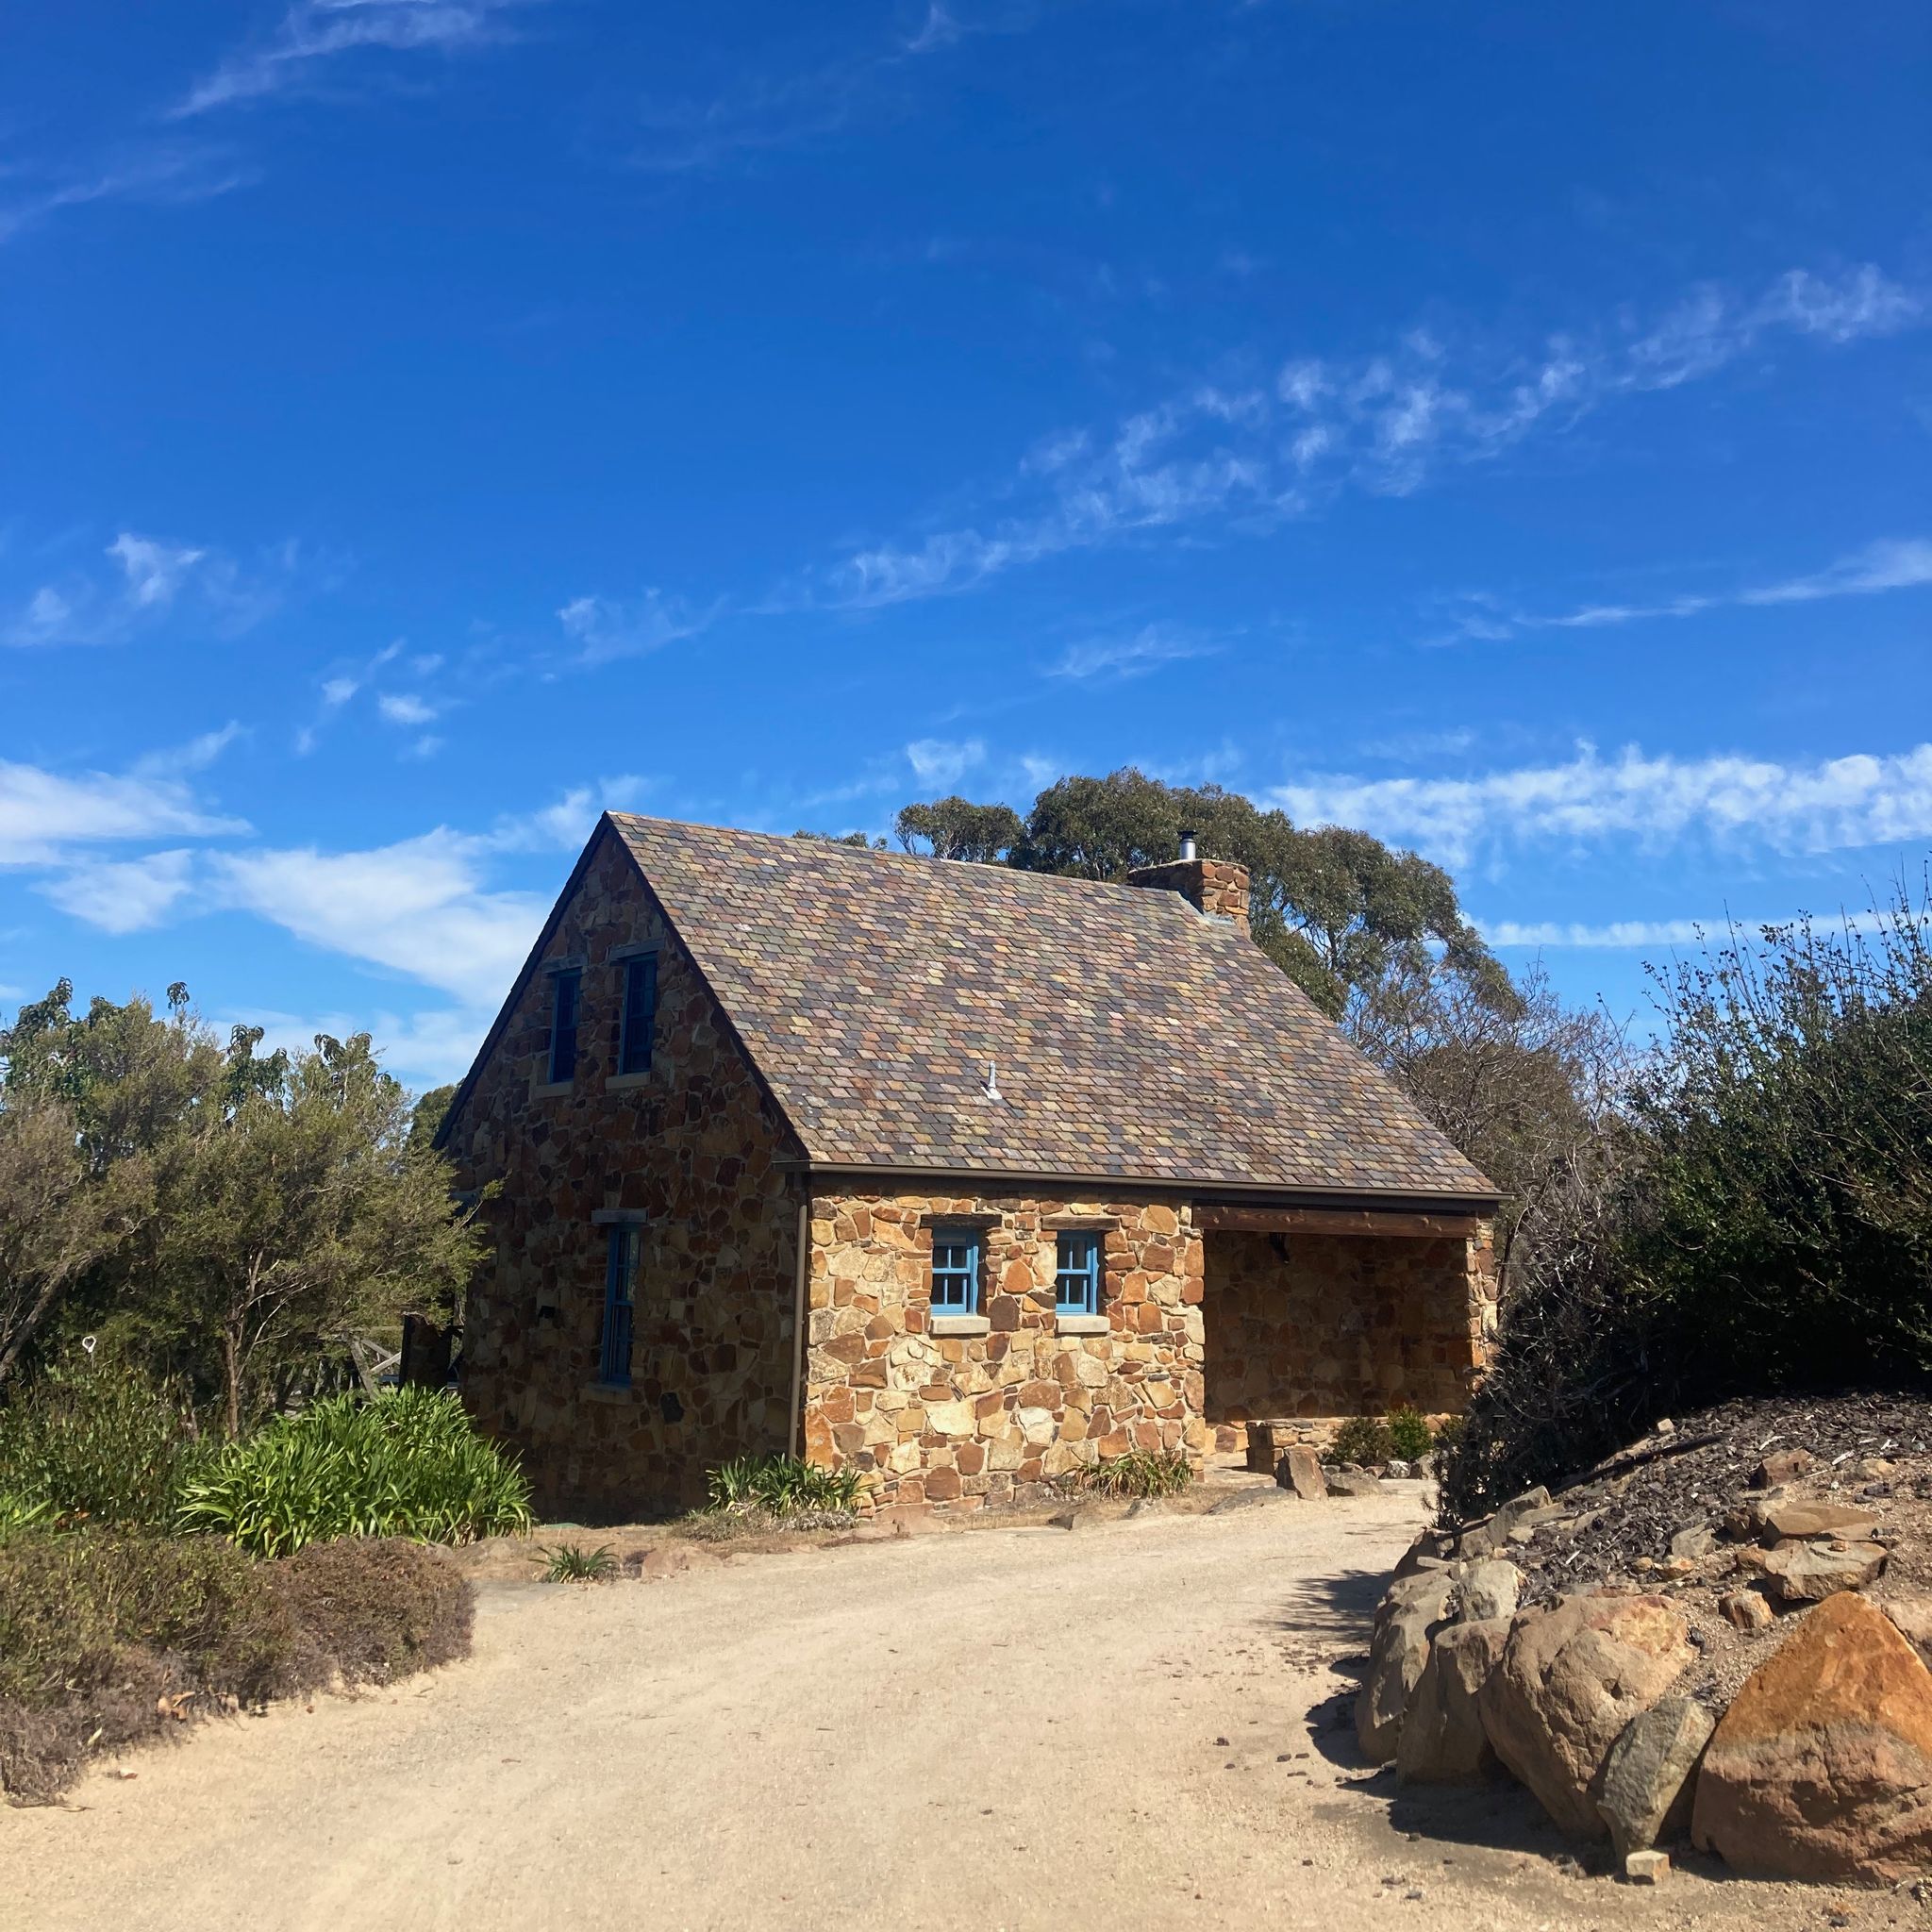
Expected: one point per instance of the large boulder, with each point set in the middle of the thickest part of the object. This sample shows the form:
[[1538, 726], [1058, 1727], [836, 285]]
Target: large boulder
[[1647, 1782], [1406, 1622], [1491, 1588], [1443, 1739], [1822, 1768], [1571, 1678]]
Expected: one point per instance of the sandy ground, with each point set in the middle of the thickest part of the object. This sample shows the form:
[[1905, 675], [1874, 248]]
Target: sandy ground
[[1131, 1724]]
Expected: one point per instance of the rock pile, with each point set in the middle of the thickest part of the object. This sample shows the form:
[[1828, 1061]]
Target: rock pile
[[1719, 1633]]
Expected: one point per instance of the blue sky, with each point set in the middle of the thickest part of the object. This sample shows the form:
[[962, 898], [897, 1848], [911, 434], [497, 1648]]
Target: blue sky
[[1509, 429]]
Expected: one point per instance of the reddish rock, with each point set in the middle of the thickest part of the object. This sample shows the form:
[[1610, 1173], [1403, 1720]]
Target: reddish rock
[[1571, 1678], [1300, 1470], [1822, 1768], [1801, 1519]]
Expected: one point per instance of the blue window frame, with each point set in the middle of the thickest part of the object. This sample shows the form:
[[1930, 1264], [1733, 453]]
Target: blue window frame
[[566, 995], [956, 1270], [620, 1302], [1077, 1273], [640, 1014]]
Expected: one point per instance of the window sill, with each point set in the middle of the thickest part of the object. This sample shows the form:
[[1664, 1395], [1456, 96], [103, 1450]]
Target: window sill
[[626, 1083], [550, 1090], [960, 1325], [609, 1392], [1081, 1324]]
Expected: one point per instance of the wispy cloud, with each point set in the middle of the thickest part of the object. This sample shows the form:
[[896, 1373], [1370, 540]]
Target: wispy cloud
[[146, 578], [421, 907], [1888, 564], [1134, 655], [44, 814], [167, 175], [124, 896], [607, 627], [404, 707], [314, 37], [935, 761], [1385, 423], [761, 112], [1864, 799]]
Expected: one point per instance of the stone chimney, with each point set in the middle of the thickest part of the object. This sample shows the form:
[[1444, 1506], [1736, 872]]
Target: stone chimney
[[1215, 887]]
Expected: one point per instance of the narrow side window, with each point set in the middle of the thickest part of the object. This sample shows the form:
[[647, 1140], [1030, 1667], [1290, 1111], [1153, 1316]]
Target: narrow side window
[[620, 1302], [565, 992], [1077, 1273], [954, 1271], [640, 1014]]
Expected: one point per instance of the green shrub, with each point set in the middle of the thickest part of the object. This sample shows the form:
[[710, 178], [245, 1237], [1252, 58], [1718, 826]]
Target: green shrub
[[781, 1485], [1139, 1472], [572, 1563], [102, 1445], [1362, 1439], [1410, 1437], [407, 1464]]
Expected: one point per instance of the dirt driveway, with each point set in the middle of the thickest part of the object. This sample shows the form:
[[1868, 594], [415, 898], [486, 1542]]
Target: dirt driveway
[[1120, 1727]]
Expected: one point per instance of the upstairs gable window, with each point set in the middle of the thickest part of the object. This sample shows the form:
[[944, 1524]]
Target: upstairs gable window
[[566, 993], [640, 1014], [956, 1270]]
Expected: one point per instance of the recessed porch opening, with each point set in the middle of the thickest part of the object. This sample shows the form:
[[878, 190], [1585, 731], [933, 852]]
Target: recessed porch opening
[[1313, 1314]]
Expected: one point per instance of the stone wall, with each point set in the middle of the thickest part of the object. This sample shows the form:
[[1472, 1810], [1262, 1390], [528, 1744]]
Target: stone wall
[[692, 1146], [966, 1418], [1319, 1326]]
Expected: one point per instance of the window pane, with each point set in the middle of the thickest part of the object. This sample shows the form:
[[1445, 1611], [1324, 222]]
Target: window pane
[[954, 1271], [1078, 1277], [563, 1027], [639, 1013]]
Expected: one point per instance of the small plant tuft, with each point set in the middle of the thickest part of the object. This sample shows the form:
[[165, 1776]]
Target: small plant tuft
[[1362, 1439], [781, 1485], [1410, 1437], [1139, 1472], [572, 1563]]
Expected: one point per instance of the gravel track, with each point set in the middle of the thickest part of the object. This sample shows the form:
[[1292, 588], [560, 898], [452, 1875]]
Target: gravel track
[[1131, 1724]]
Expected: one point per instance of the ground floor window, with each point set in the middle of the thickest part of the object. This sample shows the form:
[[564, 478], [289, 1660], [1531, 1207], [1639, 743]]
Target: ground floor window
[[954, 1271], [1077, 1273], [619, 1300]]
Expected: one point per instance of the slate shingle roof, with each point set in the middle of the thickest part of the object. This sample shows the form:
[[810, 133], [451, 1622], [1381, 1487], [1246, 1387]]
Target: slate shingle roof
[[1134, 1038]]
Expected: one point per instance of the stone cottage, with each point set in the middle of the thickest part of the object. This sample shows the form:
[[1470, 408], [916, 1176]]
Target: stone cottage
[[954, 1174]]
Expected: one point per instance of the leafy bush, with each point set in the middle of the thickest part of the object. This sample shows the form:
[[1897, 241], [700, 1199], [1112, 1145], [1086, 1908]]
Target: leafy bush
[[107, 1636], [1139, 1472], [572, 1563], [407, 1464], [1363, 1439], [1756, 1220], [1410, 1437], [781, 1485], [101, 1446]]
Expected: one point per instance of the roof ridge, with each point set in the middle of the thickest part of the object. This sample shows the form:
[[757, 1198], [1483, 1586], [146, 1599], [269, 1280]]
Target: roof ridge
[[813, 846]]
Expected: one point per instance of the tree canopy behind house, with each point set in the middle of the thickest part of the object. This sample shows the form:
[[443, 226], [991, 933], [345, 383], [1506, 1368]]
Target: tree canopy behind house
[[1337, 910], [218, 1214]]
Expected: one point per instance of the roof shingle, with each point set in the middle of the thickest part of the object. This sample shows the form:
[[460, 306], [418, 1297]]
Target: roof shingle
[[1135, 1038]]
